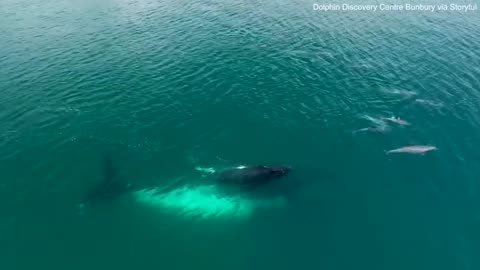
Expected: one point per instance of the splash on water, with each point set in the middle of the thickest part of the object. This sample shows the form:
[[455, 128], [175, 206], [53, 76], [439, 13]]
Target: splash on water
[[400, 92]]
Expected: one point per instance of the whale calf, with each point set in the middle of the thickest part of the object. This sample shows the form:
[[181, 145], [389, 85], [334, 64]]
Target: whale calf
[[252, 176]]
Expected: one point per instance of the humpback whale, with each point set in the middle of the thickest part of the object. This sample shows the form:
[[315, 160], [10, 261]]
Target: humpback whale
[[112, 186], [252, 176]]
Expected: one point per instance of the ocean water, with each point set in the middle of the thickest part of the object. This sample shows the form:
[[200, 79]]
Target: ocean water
[[171, 91]]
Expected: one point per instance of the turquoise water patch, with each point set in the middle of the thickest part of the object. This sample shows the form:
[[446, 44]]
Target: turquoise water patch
[[205, 202]]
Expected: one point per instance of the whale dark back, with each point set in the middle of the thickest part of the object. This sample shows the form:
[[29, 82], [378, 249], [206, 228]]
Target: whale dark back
[[252, 175]]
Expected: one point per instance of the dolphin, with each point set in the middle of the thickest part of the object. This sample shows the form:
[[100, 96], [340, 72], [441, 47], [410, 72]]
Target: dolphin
[[375, 121], [429, 103], [396, 120], [413, 149], [373, 129], [379, 125]]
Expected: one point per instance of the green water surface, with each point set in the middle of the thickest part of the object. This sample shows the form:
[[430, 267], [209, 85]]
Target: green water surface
[[171, 89]]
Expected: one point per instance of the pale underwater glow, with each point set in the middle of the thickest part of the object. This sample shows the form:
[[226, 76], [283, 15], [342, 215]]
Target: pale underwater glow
[[205, 170], [205, 201]]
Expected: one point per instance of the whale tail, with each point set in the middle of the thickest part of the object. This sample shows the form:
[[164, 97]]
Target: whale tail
[[111, 185]]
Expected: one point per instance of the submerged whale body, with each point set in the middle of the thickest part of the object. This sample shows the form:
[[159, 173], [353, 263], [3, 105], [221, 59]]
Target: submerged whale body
[[252, 175], [112, 186]]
